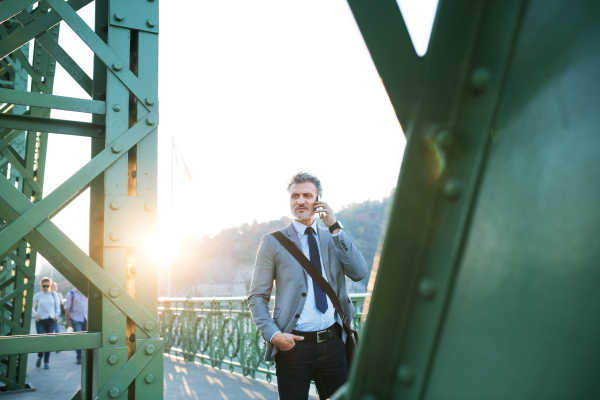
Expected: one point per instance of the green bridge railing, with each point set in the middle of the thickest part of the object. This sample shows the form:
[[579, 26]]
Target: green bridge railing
[[218, 331]]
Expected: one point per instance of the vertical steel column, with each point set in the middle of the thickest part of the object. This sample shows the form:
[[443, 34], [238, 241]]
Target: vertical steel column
[[486, 286]]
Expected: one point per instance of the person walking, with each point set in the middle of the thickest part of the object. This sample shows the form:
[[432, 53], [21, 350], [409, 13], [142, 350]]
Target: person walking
[[304, 334], [76, 314], [62, 308], [55, 290], [46, 315]]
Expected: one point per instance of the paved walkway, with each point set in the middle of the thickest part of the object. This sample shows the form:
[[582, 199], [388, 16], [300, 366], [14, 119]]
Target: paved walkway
[[183, 380]]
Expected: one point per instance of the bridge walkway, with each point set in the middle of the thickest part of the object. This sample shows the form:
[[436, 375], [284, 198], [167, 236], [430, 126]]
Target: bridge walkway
[[182, 380]]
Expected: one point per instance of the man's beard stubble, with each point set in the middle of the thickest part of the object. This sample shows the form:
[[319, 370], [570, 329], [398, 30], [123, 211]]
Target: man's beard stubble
[[301, 217]]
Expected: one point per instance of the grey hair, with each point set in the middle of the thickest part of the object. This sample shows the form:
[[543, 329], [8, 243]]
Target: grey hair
[[302, 177]]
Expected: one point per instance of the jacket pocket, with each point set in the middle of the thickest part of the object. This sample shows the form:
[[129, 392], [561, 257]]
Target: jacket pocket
[[276, 313]]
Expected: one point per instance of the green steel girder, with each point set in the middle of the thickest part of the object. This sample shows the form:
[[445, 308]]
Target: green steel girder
[[52, 125], [486, 285], [53, 102], [122, 303], [52, 342]]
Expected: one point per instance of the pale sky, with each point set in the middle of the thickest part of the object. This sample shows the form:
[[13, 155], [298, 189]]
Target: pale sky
[[254, 91]]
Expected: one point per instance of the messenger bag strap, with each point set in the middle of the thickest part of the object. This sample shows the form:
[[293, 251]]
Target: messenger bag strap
[[315, 275]]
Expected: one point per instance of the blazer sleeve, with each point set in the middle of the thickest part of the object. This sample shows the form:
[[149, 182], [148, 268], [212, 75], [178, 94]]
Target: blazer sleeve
[[260, 290], [354, 264]]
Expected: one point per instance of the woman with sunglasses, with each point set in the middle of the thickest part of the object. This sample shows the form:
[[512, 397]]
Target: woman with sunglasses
[[46, 315]]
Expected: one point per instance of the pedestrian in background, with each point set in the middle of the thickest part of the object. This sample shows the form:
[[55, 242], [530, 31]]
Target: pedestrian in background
[[46, 315], [76, 313], [62, 307]]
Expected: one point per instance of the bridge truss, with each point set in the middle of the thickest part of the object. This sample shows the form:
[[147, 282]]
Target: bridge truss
[[122, 352]]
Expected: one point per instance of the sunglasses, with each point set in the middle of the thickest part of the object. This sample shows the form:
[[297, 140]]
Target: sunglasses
[[45, 285]]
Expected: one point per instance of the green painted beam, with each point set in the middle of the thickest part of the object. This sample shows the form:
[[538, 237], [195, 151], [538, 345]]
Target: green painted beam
[[108, 56], [13, 158], [53, 244], [52, 102], [60, 55], [147, 349], [20, 344], [51, 125], [9, 237], [21, 36], [11, 7]]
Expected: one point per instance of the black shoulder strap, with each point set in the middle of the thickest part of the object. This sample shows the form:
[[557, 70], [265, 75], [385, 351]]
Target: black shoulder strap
[[314, 274]]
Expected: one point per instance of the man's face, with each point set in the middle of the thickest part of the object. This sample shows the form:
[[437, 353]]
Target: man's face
[[302, 200]]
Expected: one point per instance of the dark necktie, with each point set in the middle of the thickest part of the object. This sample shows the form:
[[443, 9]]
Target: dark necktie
[[320, 296]]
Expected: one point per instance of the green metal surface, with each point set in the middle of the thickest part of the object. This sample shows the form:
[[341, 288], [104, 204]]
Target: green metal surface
[[487, 281], [219, 331], [119, 278]]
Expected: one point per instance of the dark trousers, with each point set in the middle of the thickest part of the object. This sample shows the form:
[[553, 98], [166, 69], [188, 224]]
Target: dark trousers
[[45, 326], [325, 363], [79, 327]]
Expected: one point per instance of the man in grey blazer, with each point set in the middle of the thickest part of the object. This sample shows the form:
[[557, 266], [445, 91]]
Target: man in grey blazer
[[304, 334]]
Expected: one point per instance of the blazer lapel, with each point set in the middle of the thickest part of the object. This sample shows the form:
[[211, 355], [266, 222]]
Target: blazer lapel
[[324, 242], [291, 233]]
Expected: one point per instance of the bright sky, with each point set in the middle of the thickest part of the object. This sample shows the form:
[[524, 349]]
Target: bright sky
[[254, 91]]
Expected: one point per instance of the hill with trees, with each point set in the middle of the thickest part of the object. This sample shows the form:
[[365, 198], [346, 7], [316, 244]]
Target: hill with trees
[[230, 255]]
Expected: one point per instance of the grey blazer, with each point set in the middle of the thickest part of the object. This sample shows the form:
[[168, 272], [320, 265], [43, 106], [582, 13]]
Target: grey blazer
[[275, 263]]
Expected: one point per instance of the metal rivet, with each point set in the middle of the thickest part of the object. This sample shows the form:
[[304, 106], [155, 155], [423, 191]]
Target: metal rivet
[[103, 27], [113, 292], [97, 244], [149, 378], [151, 23], [148, 206], [150, 121], [150, 349], [113, 339], [132, 270], [116, 108], [97, 216], [114, 236], [149, 325], [114, 392], [134, 174], [119, 16], [150, 101], [96, 296], [480, 80], [132, 337], [427, 288], [118, 66], [116, 148], [452, 189], [37, 69], [115, 205], [406, 374], [112, 359]]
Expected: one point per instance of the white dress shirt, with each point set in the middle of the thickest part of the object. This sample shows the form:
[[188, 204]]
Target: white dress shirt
[[311, 319]]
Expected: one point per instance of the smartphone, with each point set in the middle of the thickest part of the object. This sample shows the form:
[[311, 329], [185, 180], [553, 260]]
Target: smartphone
[[320, 215]]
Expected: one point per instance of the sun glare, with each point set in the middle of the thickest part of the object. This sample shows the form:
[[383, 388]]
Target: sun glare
[[162, 246]]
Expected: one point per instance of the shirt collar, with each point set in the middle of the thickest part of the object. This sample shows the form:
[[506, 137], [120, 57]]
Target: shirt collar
[[301, 228]]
